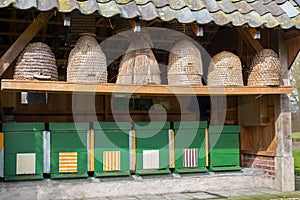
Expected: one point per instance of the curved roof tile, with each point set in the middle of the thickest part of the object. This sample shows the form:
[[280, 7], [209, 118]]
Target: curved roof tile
[[280, 1], [289, 9], [160, 3], [285, 21], [237, 19], [177, 4], [220, 18], [270, 20], [266, 1], [254, 19], [296, 21], [185, 16], [129, 10], [259, 7], [227, 6], [203, 16], [254, 13], [108, 9], [243, 7], [148, 11], [195, 5], [274, 9], [212, 6]]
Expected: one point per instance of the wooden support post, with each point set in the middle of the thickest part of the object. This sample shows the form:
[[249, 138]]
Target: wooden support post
[[171, 149], [284, 162], [17, 47], [132, 143], [91, 150], [255, 44]]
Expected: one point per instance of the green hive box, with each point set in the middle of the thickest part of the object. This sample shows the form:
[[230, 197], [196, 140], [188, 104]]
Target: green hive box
[[190, 152], [111, 149], [152, 148], [23, 151], [68, 150], [224, 148]]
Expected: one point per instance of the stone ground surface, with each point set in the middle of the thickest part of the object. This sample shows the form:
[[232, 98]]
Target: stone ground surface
[[247, 194], [58, 189], [233, 185], [243, 194]]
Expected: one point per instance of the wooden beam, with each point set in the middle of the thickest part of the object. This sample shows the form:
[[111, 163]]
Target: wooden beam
[[291, 34], [44, 34], [255, 44], [17, 47], [111, 88], [25, 21], [259, 153]]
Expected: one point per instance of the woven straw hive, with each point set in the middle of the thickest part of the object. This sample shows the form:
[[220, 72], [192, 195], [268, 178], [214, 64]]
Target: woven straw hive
[[139, 65], [87, 62], [36, 60], [225, 69], [185, 64], [265, 69]]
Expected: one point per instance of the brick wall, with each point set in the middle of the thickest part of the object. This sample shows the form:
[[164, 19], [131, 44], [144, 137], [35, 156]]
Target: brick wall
[[261, 162]]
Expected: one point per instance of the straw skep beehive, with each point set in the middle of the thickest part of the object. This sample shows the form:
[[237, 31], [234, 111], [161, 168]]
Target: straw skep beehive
[[87, 62], [37, 61], [139, 66], [185, 64], [265, 69], [225, 69]]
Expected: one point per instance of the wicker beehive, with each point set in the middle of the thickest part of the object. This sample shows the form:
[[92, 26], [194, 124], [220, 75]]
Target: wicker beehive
[[87, 62], [185, 64], [139, 65], [37, 60], [265, 69], [225, 69]]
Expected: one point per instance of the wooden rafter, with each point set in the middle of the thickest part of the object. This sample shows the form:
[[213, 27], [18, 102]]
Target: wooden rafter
[[255, 44], [17, 47]]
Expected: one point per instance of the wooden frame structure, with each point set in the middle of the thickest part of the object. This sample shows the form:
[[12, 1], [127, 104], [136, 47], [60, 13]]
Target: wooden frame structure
[[262, 142]]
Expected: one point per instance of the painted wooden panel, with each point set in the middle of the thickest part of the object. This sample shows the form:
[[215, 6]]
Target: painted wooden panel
[[260, 140], [111, 160], [67, 162], [151, 159], [46, 152], [25, 163], [190, 157]]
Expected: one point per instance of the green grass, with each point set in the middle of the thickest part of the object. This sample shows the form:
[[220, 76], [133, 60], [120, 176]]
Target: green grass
[[296, 155], [296, 136]]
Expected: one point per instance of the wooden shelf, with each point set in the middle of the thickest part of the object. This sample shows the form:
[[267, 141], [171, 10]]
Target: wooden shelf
[[10, 85], [154, 112], [259, 153]]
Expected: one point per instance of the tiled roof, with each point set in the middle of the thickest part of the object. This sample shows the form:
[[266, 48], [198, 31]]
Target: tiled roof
[[254, 13]]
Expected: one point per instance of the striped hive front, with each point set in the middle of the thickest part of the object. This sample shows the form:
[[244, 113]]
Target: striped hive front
[[190, 157], [111, 160], [67, 162], [25, 163], [151, 159]]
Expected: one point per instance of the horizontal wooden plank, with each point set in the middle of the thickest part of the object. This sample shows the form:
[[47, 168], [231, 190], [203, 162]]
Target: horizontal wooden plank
[[110, 88], [259, 153]]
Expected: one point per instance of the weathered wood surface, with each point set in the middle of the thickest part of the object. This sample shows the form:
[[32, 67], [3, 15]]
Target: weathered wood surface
[[109, 88], [17, 47], [255, 44]]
